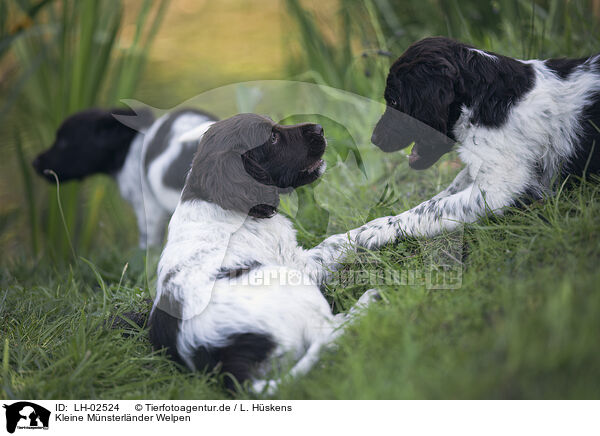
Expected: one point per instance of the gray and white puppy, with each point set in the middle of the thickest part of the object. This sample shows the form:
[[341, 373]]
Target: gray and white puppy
[[148, 158], [235, 290]]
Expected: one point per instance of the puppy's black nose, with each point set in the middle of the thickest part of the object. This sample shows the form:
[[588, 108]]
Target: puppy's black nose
[[318, 129]]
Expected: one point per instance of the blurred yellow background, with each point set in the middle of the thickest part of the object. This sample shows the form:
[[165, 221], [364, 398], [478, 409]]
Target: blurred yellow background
[[203, 44]]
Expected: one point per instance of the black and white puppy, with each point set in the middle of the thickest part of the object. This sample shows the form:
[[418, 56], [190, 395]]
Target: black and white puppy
[[235, 290], [519, 125], [149, 162]]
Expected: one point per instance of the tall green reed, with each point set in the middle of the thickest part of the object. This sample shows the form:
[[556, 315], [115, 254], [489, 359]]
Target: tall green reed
[[82, 59], [334, 61]]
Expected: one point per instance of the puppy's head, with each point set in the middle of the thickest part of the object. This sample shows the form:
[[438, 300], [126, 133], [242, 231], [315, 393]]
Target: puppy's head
[[244, 162], [421, 91], [88, 142]]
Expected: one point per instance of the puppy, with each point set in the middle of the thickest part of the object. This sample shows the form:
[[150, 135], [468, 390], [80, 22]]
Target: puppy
[[235, 291], [519, 126], [149, 166]]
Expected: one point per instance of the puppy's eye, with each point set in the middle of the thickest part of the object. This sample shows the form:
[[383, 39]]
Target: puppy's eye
[[393, 102], [274, 137]]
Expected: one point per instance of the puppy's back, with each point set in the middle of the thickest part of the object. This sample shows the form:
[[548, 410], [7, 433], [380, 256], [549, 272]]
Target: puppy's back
[[167, 158]]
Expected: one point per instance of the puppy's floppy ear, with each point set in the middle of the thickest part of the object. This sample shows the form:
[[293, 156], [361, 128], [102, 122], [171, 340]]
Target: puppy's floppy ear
[[429, 90], [257, 172], [220, 174]]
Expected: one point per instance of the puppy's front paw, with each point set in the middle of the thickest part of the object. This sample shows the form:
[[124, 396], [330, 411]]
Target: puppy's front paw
[[368, 297], [363, 302], [377, 233]]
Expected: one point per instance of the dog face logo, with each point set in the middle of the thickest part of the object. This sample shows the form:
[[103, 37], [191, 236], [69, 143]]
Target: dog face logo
[[26, 415]]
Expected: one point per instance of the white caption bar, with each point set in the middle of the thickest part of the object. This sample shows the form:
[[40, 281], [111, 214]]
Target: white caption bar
[[264, 417]]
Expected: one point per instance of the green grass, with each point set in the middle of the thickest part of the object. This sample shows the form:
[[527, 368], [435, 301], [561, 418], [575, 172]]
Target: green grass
[[523, 324]]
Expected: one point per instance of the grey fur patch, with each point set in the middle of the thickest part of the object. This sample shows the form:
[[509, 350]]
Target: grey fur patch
[[237, 271], [169, 276], [431, 206]]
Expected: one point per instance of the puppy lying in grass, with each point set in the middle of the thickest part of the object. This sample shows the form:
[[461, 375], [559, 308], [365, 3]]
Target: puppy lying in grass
[[149, 166], [520, 125], [235, 291]]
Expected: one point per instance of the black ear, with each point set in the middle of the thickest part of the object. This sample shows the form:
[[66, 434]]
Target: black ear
[[428, 93], [220, 176], [257, 172]]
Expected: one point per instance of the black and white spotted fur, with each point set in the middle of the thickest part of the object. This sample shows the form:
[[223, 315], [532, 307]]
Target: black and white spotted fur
[[235, 291], [149, 159], [519, 125]]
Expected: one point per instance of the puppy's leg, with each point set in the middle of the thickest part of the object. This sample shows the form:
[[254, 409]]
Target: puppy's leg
[[342, 320], [152, 221], [465, 201], [304, 365], [140, 216], [428, 219], [363, 303], [326, 339], [329, 254], [155, 228], [461, 182]]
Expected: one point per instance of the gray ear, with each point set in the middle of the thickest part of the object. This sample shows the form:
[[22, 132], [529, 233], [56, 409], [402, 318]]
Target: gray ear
[[219, 176]]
